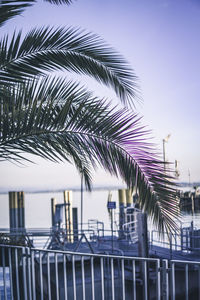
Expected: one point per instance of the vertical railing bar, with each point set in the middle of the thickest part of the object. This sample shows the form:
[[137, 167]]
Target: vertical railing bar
[[4, 273], [102, 279], [65, 276], [158, 279], [48, 277], [186, 282], [17, 273], [33, 273], [29, 274], [10, 273], [56, 270], [199, 280], [74, 276], [41, 277], [92, 277], [24, 271], [165, 280], [172, 281], [145, 281], [123, 279], [112, 280], [83, 276], [134, 280]]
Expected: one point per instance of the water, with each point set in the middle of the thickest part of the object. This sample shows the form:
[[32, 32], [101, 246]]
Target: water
[[38, 207]]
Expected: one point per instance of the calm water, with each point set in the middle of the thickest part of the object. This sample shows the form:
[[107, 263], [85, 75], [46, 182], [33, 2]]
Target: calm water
[[38, 208]]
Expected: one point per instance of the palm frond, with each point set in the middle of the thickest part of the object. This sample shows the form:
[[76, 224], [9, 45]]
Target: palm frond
[[62, 121], [12, 8], [68, 2], [48, 49]]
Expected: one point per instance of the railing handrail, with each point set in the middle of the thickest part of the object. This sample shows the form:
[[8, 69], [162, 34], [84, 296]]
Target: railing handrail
[[84, 254]]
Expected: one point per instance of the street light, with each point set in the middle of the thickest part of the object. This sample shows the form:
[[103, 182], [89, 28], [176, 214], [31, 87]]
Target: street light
[[82, 201], [165, 140]]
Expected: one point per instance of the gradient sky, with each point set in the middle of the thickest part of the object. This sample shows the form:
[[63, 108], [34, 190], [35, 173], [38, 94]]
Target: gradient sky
[[160, 39]]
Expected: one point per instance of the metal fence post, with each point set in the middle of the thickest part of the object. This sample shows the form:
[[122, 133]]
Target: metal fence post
[[24, 266], [165, 280]]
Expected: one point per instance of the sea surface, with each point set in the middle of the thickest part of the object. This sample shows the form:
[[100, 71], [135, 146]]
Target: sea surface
[[38, 207]]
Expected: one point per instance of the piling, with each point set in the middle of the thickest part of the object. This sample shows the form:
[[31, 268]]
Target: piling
[[20, 208], [53, 211], [122, 203], [16, 210], [68, 214], [13, 210], [75, 223]]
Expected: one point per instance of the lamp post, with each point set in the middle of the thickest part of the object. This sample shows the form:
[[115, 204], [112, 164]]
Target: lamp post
[[165, 140], [82, 202]]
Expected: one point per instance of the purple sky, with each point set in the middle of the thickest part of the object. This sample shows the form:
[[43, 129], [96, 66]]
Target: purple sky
[[160, 39]]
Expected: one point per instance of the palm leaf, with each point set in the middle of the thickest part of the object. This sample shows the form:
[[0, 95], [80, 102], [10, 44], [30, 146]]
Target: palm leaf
[[47, 49], [12, 8], [61, 121]]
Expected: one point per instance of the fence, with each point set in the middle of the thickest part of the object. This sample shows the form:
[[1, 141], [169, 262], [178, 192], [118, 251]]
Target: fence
[[28, 273]]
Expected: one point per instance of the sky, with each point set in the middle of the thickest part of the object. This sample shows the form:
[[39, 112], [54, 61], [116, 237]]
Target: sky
[[160, 40]]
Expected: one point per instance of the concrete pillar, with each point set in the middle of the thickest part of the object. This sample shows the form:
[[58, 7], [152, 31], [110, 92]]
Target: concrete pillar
[[129, 198], [68, 214], [122, 203], [143, 246], [53, 211], [142, 235]]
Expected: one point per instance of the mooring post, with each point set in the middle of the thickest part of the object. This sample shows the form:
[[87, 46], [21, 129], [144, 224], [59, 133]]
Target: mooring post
[[122, 203]]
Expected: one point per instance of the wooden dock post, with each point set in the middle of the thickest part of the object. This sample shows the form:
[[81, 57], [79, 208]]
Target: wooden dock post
[[53, 211], [122, 203]]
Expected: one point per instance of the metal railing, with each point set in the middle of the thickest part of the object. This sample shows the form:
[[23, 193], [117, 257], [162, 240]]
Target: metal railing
[[30, 274], [185, 279], [130, 231], [186, 241]]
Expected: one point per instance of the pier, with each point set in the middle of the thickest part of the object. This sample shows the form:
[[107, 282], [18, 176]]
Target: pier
[[73, 260]]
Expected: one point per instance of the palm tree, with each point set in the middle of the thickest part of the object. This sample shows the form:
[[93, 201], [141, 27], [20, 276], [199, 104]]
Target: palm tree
[[60, 120]]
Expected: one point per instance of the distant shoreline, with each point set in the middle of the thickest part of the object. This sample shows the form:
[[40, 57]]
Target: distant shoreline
[[77, 189], [60, 190]]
